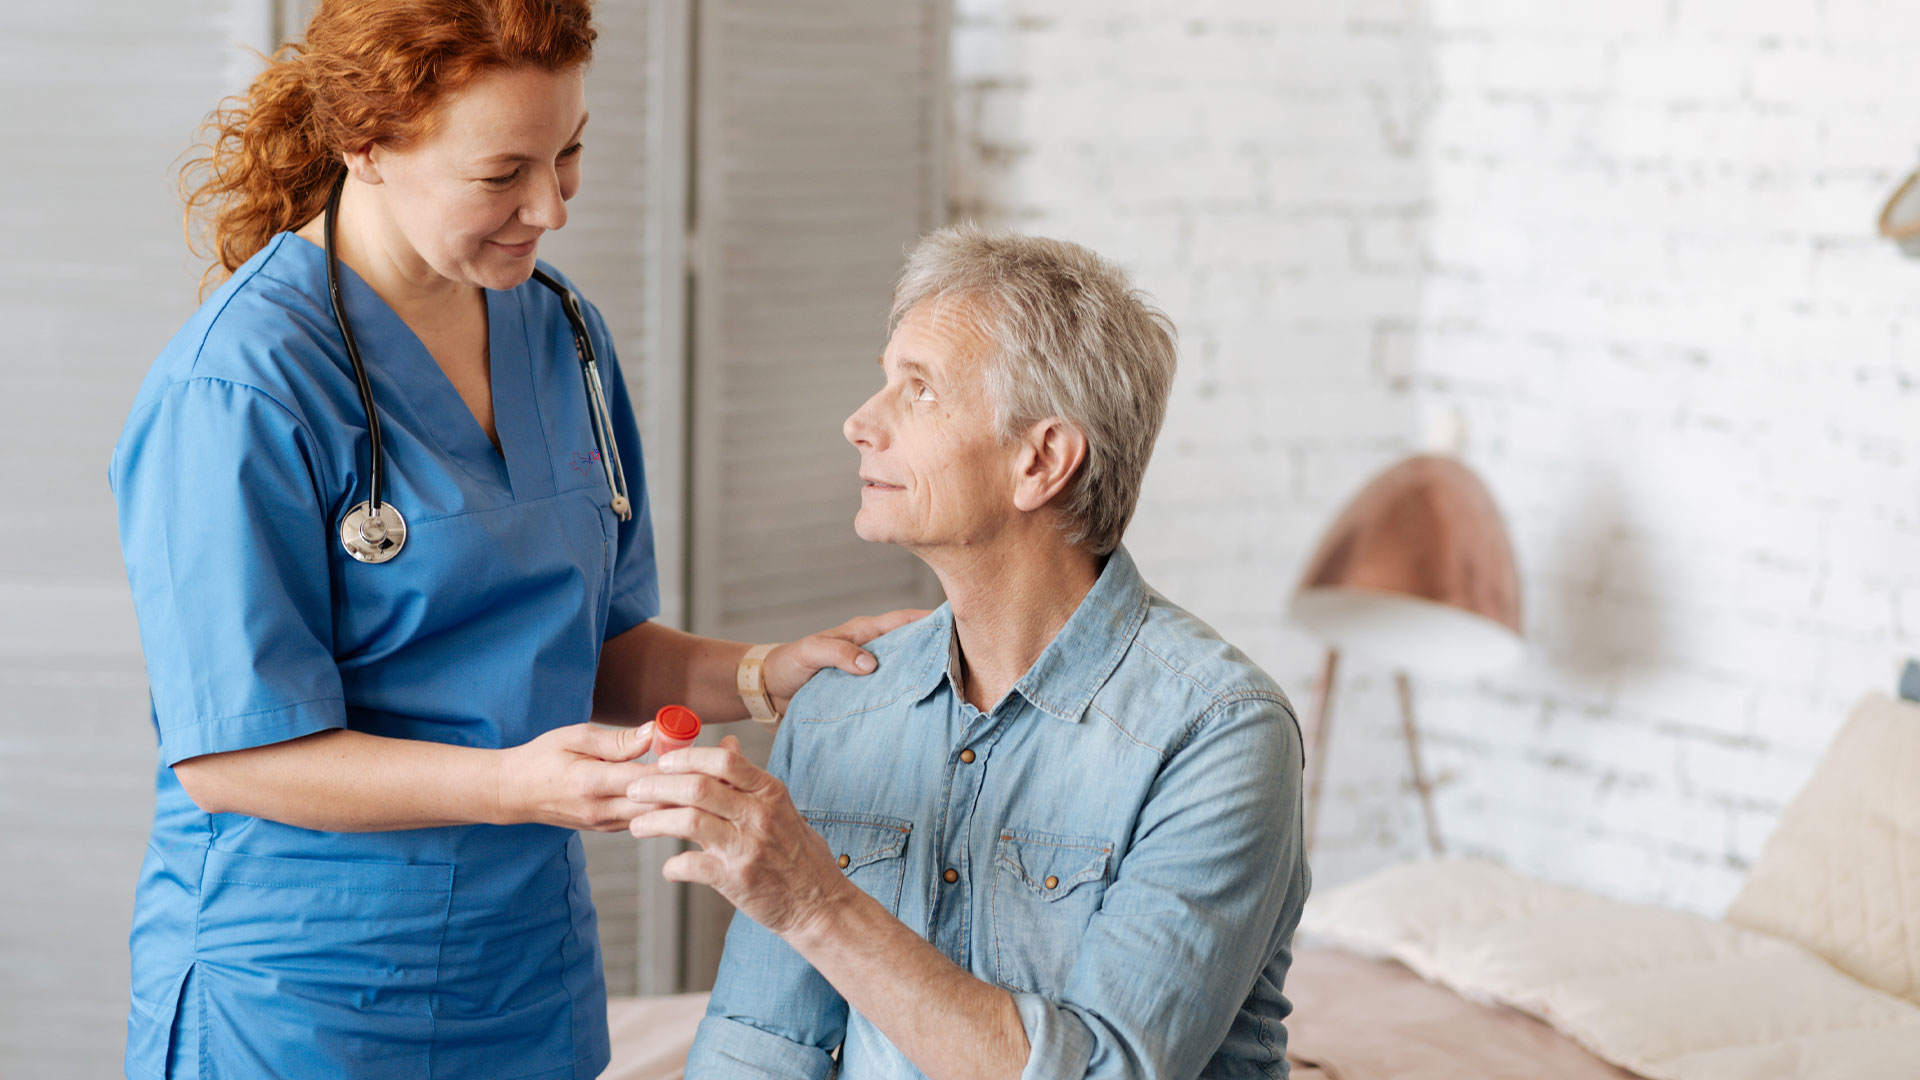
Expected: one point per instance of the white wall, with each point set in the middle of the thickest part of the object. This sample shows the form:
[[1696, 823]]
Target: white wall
[[1631, 244]]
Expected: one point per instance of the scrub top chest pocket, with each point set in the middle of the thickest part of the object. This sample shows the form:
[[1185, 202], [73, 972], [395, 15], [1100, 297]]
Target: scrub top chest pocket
[[1046, 887], [871, 850]]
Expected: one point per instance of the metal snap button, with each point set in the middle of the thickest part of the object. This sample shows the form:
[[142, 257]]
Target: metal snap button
[[845, 861]]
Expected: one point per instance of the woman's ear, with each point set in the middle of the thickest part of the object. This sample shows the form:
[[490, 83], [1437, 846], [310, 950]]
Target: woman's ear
[[363, 164], [1051, 453]]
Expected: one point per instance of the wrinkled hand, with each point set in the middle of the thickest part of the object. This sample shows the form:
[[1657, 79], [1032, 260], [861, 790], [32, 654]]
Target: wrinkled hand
[[790, 666], [756, 849], [575, 777]]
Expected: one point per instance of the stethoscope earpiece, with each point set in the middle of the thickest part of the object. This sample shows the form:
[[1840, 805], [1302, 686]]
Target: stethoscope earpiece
[[375, 538]]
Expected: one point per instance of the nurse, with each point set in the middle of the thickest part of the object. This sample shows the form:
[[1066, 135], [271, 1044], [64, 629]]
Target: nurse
[[365, 858]]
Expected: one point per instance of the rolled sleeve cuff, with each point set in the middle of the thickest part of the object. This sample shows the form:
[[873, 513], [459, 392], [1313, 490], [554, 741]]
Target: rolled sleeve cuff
[[246, 731], [1060, 1045], [729, 1048]]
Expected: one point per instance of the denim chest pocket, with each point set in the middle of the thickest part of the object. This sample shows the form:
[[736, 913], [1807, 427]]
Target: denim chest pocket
[[1046, 888], [870, 849]]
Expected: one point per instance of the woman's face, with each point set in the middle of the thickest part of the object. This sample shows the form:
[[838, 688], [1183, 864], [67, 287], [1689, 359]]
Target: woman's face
[[471, 199]]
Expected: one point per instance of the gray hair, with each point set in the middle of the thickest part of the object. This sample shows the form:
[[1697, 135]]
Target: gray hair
[[1074, 339]]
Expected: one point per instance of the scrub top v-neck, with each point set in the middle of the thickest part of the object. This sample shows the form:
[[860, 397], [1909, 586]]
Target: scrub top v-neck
[[264, 949]]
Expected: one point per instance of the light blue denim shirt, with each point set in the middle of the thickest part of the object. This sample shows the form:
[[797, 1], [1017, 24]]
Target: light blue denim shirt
[[1123, 831]]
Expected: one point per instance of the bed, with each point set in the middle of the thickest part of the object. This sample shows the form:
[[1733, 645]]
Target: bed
[[1449, 969], [1813, 974]]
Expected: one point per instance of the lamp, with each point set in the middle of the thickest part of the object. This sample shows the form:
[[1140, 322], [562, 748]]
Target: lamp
[[1417, 570]]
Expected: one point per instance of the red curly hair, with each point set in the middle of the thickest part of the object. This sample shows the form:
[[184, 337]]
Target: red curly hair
[[368, 71]]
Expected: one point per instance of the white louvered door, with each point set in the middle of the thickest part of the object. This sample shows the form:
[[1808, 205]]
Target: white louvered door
[[619, 249], [817, 160]]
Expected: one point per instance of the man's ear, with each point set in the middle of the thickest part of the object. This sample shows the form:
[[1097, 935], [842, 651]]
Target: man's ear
[[363, 164], [1051, 453]]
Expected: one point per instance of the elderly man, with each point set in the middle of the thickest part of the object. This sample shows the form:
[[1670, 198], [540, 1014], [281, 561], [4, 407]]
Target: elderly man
[[1058, 832]]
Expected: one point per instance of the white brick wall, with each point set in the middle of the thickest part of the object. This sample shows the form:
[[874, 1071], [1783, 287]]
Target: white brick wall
[[1631, 245]]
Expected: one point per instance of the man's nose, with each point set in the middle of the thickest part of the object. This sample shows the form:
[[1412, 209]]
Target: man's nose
[[860, 428]]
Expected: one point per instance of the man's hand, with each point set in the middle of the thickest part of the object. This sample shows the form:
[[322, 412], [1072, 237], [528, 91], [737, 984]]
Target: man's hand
[[756, 849], [790, 666], [575, 777]]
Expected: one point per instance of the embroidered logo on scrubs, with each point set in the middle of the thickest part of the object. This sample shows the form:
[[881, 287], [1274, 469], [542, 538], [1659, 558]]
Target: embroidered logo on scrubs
[[584, 461]]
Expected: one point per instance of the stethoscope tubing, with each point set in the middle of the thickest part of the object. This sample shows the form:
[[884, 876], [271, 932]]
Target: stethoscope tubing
[[597, 413], [376, 462]]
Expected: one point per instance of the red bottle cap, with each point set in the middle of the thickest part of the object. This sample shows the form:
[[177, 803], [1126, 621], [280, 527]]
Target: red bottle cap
[[677, 722]]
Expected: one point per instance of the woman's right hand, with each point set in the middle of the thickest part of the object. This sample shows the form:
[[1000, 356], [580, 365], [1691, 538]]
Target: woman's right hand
[[575, 777]]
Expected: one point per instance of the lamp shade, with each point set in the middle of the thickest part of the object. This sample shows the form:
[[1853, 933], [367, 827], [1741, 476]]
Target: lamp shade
[[1418, 571]]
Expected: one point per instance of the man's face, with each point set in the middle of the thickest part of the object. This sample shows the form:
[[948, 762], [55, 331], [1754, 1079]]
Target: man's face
[[932, 474]]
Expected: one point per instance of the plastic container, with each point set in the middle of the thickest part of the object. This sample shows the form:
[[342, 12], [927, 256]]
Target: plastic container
[[674, 726]]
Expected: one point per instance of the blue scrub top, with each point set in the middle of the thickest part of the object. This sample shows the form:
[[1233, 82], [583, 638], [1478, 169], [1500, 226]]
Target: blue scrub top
[[261, 949]]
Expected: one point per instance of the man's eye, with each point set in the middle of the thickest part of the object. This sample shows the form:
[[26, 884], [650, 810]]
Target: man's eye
[[925, 394], [570, 151], [502, 181]]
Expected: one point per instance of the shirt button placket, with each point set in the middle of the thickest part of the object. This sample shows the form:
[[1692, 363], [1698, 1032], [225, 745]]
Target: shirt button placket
[[952, 920]]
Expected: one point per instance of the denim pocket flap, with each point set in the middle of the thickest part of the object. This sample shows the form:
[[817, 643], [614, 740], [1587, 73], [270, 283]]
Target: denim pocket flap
[[860, 839], [1054, 866]]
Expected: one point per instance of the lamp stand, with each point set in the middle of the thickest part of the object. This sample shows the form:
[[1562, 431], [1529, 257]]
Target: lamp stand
[[1314, 743], [1421, 784]]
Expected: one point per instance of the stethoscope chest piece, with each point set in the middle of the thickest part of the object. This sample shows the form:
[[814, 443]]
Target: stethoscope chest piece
[[373, 539]]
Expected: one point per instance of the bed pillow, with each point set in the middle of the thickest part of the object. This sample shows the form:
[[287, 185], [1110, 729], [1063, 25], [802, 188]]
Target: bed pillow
[[1841, 873]]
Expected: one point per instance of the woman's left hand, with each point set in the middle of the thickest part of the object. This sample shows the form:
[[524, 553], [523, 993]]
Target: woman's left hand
[[789, 666]]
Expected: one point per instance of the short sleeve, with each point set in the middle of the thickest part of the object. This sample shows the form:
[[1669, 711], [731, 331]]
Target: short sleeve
[[636, 580], [224, 532]]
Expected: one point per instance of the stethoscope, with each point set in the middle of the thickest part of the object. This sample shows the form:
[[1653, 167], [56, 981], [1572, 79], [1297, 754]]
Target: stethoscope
[[375, 531]]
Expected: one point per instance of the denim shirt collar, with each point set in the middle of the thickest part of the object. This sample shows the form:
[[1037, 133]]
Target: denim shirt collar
[[1079, 659]]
